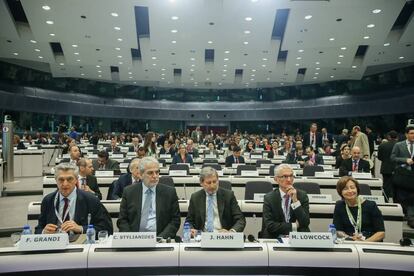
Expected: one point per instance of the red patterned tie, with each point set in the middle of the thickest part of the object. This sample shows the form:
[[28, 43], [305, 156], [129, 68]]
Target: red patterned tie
[[65, 208]]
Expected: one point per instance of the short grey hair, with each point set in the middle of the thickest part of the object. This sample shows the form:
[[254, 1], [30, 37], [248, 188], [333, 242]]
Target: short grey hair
[[64, 167], [207, 172], [147, 161], [281, 167], [134, 164]]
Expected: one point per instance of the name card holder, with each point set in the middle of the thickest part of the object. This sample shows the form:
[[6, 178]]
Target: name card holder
[[258, 197], [311, 239], [134, 239], [32, 148], [124, 149], [163, 156], [375, 198], [295, 166], [328, 157], [256, 156], [43, 242], [265, 166], [249, 173], [89, 148], [66, 155], [187, 164], [317, 198], [328, 174], [326, 167], [177, 173], [246, 154], [235, 165], [361, 175], [123, 165], [117, 155], [99, 173], [222, 240], [131, 153], [220, 172]]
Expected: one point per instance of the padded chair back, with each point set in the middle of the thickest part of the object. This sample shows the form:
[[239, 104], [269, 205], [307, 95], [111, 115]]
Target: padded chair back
[[225, 184], [256, 187], [245, 168], [110, 195], [272, 170], [308, 187], [310, 170], [364, 189], [162, 162], [210, 161], [179, 167], [217, 167], [259, 162], [167, 180]]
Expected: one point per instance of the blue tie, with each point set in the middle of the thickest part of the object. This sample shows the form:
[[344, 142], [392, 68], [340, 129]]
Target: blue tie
[[146, 211], [210, 214]]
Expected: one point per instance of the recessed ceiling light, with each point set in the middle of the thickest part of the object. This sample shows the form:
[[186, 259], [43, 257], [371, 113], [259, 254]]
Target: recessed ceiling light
[[227, 52], [78, 60], [354, 66], [268, 78], [192, 65], [99, 71], [253, 75], [174, 31], [192, 79], [338, 62], [248, 18], [119, 56], [163, 69], [341, 56], [50, 22], [253, 70], [117, 28], [219, 83], [114, 14], [376, 11], [332, 77], [192, 58], [343, 48], [130, 77], [317, 68], [226, 59], [386, 44], [366, 37], [316, 73], [46, 8], [153, 57], [16, 54], [98, 66], [174, 17], [317, 62], [163, 78], [251, 79], [76, 54], [370, 25], [308, 17], [401, 58], [254, 1], [244, 64], [74, 45], [209, 42], [61, 63], [33, 41], [247, 32], [301, 51], [224, 75], [281, 83], [173, 42], [119, 39], [118, 49], [82, 74], [207, 79], [40, 57], [297, 64], [331, 39], [224, 70], [263, 65], [246, 42], [100, 76], [264, 59], [161, 74], [314, 78], [120, 62], [154, 64], [37, 50], [299, 58], [52, 34]]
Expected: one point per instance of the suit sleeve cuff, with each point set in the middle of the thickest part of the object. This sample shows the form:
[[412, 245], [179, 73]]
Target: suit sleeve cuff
[[294, 227], [295, 205]]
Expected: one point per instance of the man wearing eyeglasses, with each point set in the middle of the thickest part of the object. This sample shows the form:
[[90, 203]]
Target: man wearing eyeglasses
[[149, 206], [285, 209]]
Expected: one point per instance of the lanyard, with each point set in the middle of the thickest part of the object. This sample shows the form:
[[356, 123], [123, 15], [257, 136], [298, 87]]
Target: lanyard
[[358, 223], [286, 211], [57, 199]]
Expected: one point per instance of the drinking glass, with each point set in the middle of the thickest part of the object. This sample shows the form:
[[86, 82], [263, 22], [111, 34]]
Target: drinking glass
[[102, 236]]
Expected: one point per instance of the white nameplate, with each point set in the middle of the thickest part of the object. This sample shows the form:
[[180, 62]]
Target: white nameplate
[[328, 174], [256, 156], [89, 148], [123, 165], [295, 166], [165, 155], [265, 166], [247, 154], [249, 173], [311, 239], [93, 156], [124, 149], [328, 157], [220, 172], [235, 165], [316, 198], [187, 164], [134, 239], [377, 199], [177, 172], [326, 167], [258, 197], [131, 153], [259, 149], [43, 242], [361, 175], [104, 173], [117, 155], [67, 155], [32, 148], [222, 240]]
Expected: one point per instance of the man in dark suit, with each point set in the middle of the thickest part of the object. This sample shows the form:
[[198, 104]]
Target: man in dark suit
[[235, 158], [135, 145], [113, 148], [402, 154], [132, 177], [104, 163], [285, 209], [313, 137], [68, 208], [149, 206], [87, 181], [312, 159], [341, 139], [74, 155], [326, 137], [354, 164], [213, 208], [387, 166]]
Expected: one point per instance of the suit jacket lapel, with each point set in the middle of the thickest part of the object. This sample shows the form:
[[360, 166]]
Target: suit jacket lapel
[[139, 205], [278, 202], [202, 205], [79, 207], [158, 205], [220, 203]]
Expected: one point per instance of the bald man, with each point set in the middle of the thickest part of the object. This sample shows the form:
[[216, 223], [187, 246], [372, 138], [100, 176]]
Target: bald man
[[354, 164]]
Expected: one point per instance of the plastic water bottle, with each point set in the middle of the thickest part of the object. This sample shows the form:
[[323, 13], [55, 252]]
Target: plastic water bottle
[[90, 234], [27, 230], [332, 229], [186, 232]]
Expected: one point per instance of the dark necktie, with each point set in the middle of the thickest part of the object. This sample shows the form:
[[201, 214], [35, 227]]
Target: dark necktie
[[286, 197], [65, 208], [313, 139]]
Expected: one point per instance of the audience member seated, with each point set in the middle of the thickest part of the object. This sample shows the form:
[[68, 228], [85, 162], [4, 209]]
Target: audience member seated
[[274, 151], [69, 142], [135, 145], [355, 218], [104, 163], [327, 150], [211, 151], [285, 209], [17, 143], [191, 149], [87, 181], [249, 147], [141, 153], [74, 155], [312, 159], [132, 177], [295, 157], [182, 156], [345, 154], [257, 143], [113, 148], [235, 158], [168, 148], [354, 164], [149, 144], [287, 148], [266, 145], [213, 208], [149, 206], [67, 208]]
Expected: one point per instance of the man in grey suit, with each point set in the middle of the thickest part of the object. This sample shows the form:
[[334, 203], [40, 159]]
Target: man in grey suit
[[214, 208], [149, 206], [402, 154], [285, 209], [104, 163]]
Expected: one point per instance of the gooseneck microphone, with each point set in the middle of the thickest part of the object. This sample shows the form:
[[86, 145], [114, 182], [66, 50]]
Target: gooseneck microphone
[[251, 238]]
